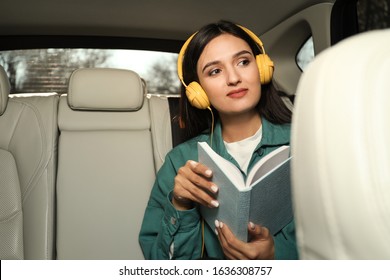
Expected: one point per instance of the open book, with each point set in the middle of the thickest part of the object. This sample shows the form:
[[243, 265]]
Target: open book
[[264, 198]]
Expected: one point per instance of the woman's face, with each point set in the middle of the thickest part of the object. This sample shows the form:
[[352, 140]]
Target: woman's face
[[228, 73]]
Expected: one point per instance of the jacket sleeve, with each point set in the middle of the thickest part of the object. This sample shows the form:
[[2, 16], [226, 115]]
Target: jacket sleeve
[[164, 228]]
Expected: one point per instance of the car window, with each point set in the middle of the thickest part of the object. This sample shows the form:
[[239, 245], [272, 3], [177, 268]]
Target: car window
[[373, 14], [305, 54], [48, 70]]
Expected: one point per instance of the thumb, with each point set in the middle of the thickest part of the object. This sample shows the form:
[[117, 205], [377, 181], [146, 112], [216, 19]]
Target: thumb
[[257, 232]]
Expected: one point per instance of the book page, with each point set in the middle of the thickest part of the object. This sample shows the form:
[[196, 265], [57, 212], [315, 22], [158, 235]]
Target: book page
[[219, 163], [267, 164]]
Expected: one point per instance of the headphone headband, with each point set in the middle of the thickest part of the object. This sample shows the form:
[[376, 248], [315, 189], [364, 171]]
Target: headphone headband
[[180, 58], [254, 38]]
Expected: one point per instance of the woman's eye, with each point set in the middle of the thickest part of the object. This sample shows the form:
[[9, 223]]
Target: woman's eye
[[214, 72], [244, 62]]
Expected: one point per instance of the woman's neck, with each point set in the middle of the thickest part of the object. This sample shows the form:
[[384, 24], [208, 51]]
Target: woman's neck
[[236, 128]]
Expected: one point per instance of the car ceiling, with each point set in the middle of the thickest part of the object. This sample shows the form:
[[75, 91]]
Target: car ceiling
[[158, 19]]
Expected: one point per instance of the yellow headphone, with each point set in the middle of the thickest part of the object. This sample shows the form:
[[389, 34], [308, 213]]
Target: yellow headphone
[[195, 93]]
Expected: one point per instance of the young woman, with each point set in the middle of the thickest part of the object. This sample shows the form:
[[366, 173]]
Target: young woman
[[223, 68]]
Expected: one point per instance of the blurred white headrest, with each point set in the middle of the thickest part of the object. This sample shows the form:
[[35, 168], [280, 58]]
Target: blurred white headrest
[[5, 88], [104, 89], [341, 151]]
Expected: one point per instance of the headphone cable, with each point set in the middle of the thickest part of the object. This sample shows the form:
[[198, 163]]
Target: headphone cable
[[212, 127]]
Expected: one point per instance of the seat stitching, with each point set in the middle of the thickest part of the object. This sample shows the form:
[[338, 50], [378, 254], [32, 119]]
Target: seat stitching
[[38, 170]]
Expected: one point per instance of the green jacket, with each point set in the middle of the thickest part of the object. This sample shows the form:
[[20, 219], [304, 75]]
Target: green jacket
[[163, 224]]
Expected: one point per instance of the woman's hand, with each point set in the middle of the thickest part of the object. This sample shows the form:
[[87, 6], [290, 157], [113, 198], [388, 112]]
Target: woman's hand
[[260, 246], [192, 184]]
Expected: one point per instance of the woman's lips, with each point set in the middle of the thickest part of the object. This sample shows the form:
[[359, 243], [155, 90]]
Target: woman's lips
[[238, 93]]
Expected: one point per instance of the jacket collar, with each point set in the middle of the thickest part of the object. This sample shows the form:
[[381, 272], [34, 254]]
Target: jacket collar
[[273, 135]]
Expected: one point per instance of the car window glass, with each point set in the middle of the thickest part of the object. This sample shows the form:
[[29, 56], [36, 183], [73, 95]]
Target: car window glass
[[373, 14], [48, 70], [305, 54]]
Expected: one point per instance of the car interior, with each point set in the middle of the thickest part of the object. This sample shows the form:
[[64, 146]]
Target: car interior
[[78, 159]]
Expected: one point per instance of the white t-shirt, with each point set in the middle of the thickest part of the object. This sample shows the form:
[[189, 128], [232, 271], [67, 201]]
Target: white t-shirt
[[242, 150]]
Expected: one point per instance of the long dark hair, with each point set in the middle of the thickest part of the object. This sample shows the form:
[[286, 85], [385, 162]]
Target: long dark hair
[[193, 120]]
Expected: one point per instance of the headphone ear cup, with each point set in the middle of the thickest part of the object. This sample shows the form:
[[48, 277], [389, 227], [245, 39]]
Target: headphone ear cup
[[266, 68], [197, 96]]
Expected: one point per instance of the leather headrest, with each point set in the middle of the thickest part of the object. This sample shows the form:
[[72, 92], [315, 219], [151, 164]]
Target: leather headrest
[[105, 89], [341, 154], [5, 88]]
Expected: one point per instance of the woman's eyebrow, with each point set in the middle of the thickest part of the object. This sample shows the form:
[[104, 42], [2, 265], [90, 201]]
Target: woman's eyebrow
[[211, 63]]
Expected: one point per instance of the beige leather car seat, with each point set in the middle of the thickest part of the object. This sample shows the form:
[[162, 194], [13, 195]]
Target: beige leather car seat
[[106, 166], [28, 143], [341, 152], [161, 128]]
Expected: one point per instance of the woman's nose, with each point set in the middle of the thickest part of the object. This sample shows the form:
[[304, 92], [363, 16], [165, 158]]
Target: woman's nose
[[232, 77]]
